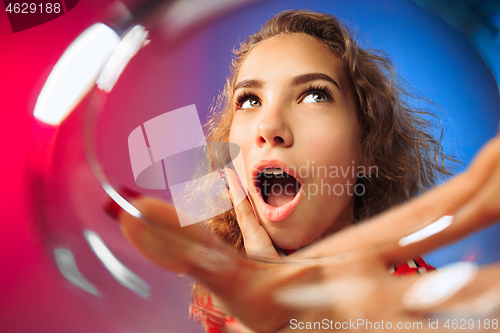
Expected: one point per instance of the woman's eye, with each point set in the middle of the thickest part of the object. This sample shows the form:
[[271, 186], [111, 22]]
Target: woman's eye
[[315, 97], [251, 102]]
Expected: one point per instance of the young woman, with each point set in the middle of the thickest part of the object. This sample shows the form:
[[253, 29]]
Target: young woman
[[304, 99], [327, 140], [325, 135]]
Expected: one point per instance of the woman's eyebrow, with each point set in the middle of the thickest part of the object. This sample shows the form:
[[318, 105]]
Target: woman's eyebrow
[[304, 78], [248, 84]]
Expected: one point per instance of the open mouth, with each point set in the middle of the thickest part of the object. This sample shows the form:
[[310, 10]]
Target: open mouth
[[277, 187]]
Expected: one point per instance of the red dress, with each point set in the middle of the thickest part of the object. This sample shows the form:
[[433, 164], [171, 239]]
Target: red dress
[[215, 321]]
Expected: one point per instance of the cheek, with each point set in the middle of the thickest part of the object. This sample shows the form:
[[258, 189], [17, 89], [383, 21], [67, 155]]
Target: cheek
[[234, 132], [337, 162], [235, 136], [231, 135], [334, 144], [239, 133]]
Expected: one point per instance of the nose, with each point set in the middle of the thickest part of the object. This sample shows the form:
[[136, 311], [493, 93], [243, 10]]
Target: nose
[[274, 130]]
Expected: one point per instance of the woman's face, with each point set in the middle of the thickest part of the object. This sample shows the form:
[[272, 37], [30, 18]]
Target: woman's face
[[295, 112]]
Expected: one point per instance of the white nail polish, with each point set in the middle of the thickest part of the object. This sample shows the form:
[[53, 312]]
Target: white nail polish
[[436, 288], [428, 231], [325, 294]]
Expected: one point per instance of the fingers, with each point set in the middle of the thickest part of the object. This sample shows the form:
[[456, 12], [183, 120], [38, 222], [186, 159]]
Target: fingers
[[381, 235], [458, 289], [484, 207], [162, 241], [476, 190], [475, 207], [188, 250], [257, 241], [244, 212]]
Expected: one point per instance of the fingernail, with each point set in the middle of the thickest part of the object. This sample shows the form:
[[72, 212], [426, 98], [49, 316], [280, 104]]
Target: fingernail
[[222, 175], [320, 295], [428, 231], [112, 208], [436, 288]]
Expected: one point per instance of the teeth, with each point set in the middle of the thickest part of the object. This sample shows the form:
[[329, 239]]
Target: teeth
[[273, 171]]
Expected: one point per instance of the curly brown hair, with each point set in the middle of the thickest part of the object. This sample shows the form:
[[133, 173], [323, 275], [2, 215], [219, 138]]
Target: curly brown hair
[[395, 136]]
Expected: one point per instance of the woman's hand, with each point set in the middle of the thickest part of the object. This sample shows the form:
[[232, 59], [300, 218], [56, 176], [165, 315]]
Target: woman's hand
[[243, 286], [256, 239], [473, 198], [349, 281]]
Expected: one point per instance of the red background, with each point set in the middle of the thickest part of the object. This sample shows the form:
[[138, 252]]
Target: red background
[[31, 300]]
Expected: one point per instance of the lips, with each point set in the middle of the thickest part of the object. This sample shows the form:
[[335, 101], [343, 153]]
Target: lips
[[278, 189]]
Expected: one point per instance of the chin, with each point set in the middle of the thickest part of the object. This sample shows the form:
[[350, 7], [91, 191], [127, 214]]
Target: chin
[[290, 244]]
